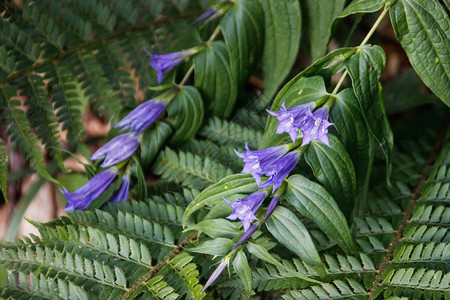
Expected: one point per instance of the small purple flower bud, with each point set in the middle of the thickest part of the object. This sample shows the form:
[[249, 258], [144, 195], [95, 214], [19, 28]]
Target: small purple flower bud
[[216, 274], [122, 193], [245, 208], [206, 15], [119, 148], [247, 234], [290, 119], [316, 127], [165, 62], [83, 196], [142, 116], [280, 169], [272, 205], [257, 161]]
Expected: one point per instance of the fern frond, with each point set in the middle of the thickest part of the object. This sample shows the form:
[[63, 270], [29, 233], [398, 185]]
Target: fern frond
[[431, 215], [187, 271], [19, 130], [420, 283], [337, 289], [250, 118], [7, 63], [99, 15], [373, 226], [189, 169], [429, 255], [424, 234], [229, 133], [160, 290]]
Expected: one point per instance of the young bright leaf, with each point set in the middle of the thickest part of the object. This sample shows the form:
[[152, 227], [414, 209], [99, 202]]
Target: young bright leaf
[[334, 168], [282, 40], [314, 202], [365, 68], [422, 27], [361, 6], [357, 140], [244, 271], [217, 246], [230, 185], [185, 113], [320, 16], [290, 231], [215, 79], [243, 30]]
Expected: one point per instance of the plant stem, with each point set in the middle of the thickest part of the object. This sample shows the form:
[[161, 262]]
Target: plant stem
[[366, 39]]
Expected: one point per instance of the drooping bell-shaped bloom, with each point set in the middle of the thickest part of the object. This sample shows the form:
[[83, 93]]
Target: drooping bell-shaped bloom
[[142, 116], [247, 234], [256, 162], [290, 119], [316, 127], [279, 169], [83, 196], [216, 273], [272, 205], [244, 209], [206, 15], [165, 62], [122, 193], [119, 148]]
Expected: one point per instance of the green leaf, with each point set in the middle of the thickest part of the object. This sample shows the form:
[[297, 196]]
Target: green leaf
[[261, 253], [290, 232], [141, 184], [243, 30], [333, 167], [362, 7], [244, 271], [228, 186], [355, 136], [185, 113], [152, 142], [281, 43], [217, 228], [422, 27], [299, 92], [365, 68], [218, 246], [314, 202], [319, 18], [215, 79]]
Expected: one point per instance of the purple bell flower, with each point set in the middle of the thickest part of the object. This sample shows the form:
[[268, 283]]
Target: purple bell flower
[[165, 62], [279, 169], [316, 127], [142, 116], [206, 15], [257, 161], [290, 119], [122, 193], [272, 205], [245, 208], [246, 235], [216, 273], [83, 196], [119, 148]]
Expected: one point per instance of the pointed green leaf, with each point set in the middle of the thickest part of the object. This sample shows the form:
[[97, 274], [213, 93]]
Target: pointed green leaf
[[230, 185], [320, 15], [215, 79], [334, 168], [314, 202], [152, 142], [217, 228], [281, 43], [365, 68], [422, 27], [244, 271], [290, 232], [361, 7]]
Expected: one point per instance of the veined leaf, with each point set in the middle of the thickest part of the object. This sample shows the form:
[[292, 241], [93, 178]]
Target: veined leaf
[[314, 202], [334, 168], [216, 228], [320, 17], [185, 113], [244, 271], [281, 43], [214, 77], [243, 30], [152, 142], [362, 6], [290, 231], [422, 27], [230, 185], [365, 68], [357, 140]]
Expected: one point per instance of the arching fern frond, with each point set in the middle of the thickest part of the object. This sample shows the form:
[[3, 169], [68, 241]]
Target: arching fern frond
[[429, 255], [338, 289]]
